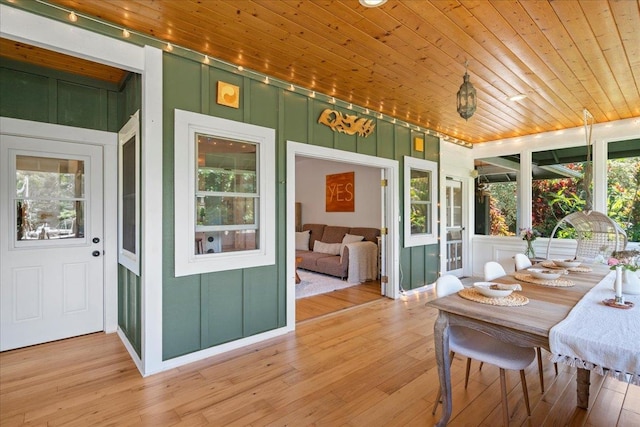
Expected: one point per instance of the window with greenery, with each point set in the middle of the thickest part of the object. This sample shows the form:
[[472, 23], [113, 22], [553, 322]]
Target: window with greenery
[[227, 195], [49, 198], [623, 189], [224, 195], [420, 185], [496, 196]]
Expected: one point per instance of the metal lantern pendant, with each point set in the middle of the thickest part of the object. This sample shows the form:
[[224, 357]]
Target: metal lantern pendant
[[467, 101]]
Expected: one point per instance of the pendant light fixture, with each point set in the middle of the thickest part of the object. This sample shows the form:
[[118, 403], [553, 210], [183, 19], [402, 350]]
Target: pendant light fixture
[[467, 101]]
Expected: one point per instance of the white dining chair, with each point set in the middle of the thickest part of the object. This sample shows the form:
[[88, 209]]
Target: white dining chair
[[485, 348], [493, 270], [522, 261]]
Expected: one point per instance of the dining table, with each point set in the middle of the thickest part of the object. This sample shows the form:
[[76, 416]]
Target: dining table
[[526, 325]]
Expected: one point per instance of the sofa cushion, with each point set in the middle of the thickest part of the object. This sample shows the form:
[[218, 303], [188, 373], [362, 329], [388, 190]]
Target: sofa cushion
[[302, 240], [327, 248], [334, 234], [370, 234], [315, 233]]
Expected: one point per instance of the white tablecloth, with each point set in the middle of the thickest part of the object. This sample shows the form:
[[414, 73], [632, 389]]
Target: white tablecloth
[[600, 338]]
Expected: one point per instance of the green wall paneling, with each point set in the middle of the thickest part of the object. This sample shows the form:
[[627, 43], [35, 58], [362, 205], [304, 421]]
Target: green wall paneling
[[82, 106], [181, 316], [417, 272], [129, 307], [24, 95], [295, 117], [261, 300], [405, 267], [263, 108], [431, 263], [222, 311], [30, 92], [385, 140], [223, 111], [432, 148], [367, 145]]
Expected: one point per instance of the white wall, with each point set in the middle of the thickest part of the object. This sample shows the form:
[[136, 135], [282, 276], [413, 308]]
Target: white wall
[[310, 192]]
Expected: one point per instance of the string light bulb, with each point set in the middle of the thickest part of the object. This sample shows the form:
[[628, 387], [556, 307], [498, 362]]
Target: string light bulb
[[169, 47], [206, 59], [125, 33], [73, 17]]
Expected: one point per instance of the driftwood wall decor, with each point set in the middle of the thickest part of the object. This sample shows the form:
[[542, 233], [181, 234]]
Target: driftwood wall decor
[[346, 123]]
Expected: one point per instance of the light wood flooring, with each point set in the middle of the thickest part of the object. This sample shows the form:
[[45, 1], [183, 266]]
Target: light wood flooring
[[370, 365], [341, 299]]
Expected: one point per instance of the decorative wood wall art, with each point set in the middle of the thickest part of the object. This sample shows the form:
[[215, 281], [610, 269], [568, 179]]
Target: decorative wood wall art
[[340, 193], [228, 95], [346, 123], [418, 144]]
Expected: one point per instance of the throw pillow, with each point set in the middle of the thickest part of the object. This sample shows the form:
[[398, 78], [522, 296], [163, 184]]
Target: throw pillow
[[302, 240], [349, 238], [327, 248]]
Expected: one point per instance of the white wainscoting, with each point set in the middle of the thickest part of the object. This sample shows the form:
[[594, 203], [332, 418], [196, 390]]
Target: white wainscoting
[[502, 249]]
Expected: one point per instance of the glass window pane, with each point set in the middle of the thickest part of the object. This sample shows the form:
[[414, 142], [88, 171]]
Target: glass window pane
[[49, 219], [215, 210], [129, 195], [226, 166], [49, 198], [623, 194], [420, 218], [420, 185], [49, 177]]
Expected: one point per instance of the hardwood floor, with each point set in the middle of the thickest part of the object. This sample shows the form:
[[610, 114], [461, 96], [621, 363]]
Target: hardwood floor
[[372, 365], [320, 305]]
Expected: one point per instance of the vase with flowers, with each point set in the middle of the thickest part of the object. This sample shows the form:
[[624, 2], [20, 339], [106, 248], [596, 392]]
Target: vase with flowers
[[529, 235], [628, 263]]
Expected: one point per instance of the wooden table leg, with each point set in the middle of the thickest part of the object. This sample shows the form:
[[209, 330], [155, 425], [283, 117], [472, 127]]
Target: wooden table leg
[[441, 341], [298, 261], [583, 382]]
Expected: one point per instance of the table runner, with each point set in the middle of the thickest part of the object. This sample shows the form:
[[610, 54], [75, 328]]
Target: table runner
[[602, 339]]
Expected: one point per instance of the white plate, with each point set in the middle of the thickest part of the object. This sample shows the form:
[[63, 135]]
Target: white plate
[[544, 274], [567, 263], [484, 289]]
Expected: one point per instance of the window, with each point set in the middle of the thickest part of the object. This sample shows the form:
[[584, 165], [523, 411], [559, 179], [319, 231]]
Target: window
[[49, 199], [420, 207], [623, 191], [496, 195], [224, 195], [128, 194]]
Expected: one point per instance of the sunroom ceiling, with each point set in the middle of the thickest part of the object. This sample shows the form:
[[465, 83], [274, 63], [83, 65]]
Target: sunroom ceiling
[[406, 58]]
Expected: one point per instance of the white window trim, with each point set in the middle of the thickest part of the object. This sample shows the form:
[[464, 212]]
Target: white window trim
[[187, 124], [410, 239], [131, 129]]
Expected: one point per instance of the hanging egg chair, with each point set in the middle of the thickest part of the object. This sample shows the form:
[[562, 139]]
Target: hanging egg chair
[[595, 232]]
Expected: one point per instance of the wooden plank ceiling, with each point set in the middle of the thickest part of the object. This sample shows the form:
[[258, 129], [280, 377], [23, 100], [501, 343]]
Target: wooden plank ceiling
[[45, 58], [406, 58]]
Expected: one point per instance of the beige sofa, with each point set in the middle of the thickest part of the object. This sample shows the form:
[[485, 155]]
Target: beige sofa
[[327, 263]]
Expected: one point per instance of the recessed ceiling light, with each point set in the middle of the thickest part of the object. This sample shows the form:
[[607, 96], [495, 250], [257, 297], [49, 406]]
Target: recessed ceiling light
[[517, 97], [372, 3]]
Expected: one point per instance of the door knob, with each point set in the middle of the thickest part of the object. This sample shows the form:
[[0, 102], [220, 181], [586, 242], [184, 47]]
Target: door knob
[[95, 253]]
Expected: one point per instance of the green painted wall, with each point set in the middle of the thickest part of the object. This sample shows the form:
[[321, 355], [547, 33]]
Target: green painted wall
[[30, 92], [205, 310]]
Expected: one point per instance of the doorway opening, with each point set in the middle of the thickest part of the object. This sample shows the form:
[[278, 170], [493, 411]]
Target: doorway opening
[[307, 167]]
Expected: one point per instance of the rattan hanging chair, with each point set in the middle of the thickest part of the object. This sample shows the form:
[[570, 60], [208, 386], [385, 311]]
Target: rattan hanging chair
[[596, 233]]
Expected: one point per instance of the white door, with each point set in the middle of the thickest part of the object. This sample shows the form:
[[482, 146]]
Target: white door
[[454, 227], [51, 225]]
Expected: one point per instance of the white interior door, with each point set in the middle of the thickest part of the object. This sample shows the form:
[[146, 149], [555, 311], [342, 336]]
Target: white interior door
[[454, 227], [51, 224]]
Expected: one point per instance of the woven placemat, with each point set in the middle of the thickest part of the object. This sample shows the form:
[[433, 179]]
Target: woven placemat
[[512, 300], [556, 283], [578, 269]]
